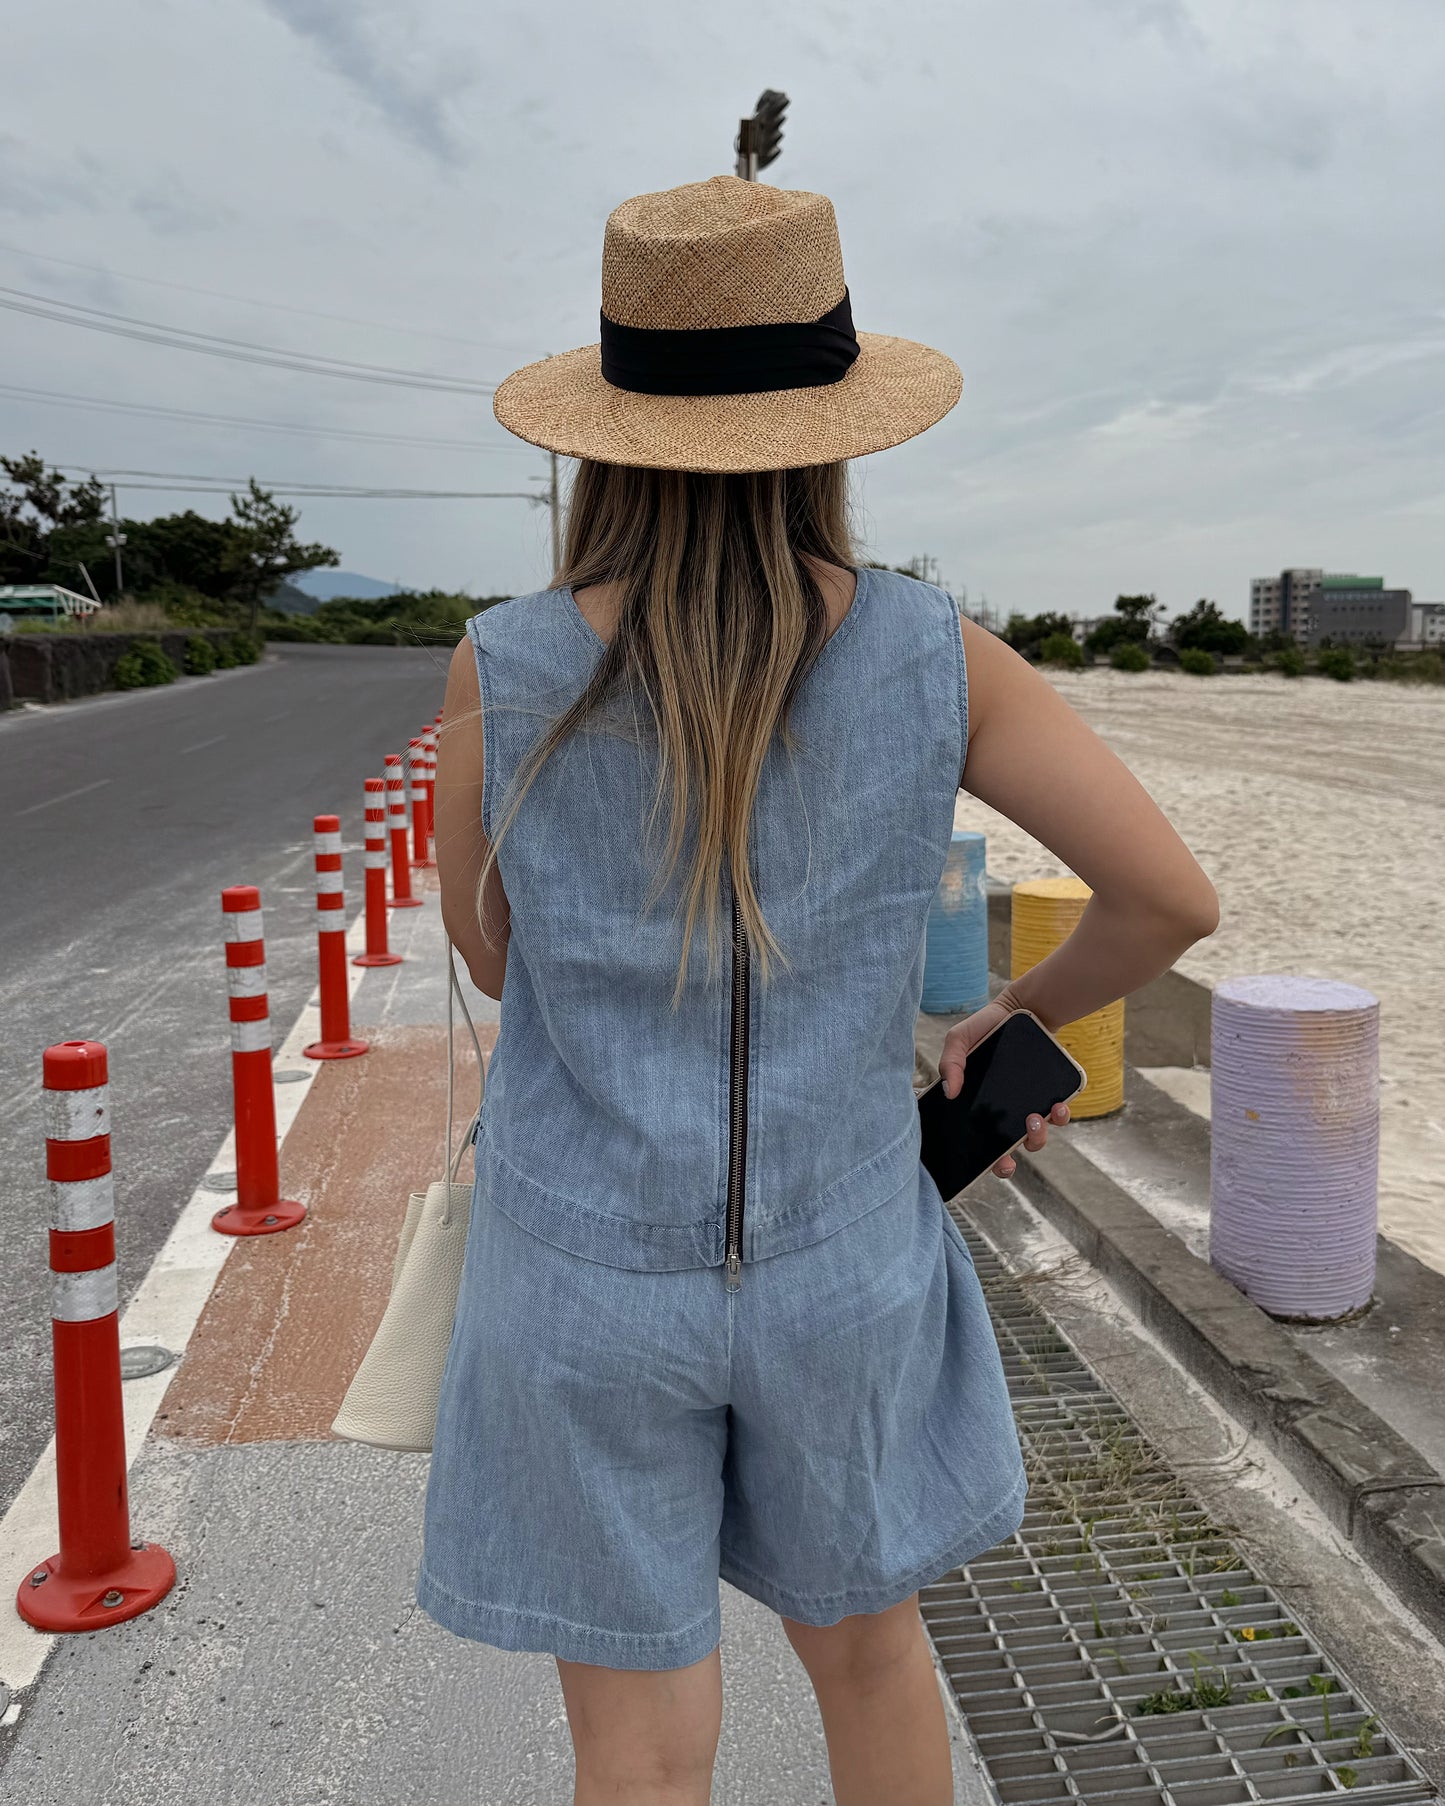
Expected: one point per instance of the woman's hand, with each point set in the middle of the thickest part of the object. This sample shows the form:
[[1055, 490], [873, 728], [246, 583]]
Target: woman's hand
[[957, 1043]]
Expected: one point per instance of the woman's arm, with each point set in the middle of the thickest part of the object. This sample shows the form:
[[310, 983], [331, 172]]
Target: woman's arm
[[461, 846], [1031, 757]]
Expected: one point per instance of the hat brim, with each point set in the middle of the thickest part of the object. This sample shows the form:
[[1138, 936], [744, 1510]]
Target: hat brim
[[893, 390]]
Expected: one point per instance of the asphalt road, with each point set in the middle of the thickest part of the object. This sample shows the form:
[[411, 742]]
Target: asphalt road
[[121, 819]]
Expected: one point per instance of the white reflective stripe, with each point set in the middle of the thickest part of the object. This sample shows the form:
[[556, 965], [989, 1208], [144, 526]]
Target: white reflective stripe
[[328, 840], [251, 1037], [375, 857], [82, 1203], [329, 884], [242, 924], [334, 917], [246, 981], [76, 1115], [82, 1297], [417, 792]]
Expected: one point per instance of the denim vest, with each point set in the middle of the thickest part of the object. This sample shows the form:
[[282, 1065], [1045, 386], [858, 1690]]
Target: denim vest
[[757, 1117]]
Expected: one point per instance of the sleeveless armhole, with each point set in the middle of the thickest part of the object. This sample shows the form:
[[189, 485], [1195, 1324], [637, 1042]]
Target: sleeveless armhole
[[956, 616], [489, 762]]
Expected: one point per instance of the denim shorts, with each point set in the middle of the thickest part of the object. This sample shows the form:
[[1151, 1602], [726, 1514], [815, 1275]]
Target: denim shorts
[[828, 1438]]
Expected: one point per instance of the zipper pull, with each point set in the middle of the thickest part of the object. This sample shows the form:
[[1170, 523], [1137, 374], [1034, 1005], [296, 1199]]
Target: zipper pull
[[734, 1272]]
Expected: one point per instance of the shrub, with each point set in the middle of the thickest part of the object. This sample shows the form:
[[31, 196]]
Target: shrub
[[200, 656], [1337, 662], [1129, 655], [184, 606], [144, 664], [1289, 661], [1197, 661], [1062, 649], [242, 650]]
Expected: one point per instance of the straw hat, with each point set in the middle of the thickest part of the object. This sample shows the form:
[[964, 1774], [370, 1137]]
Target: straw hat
[[727, 344]]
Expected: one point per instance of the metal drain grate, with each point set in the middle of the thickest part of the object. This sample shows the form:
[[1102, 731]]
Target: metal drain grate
[[1118, 1648]]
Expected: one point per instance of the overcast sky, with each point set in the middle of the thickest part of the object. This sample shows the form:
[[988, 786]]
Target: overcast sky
[[1188, 256]]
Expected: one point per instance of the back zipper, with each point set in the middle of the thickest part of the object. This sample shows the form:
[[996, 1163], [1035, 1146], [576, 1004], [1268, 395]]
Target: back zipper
[[737, 1101]]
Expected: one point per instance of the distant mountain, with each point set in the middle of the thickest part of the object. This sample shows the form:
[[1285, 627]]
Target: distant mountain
[[323, 585], [292, 601]]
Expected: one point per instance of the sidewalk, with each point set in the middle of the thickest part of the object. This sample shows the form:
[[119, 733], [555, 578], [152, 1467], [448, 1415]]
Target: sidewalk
[[290, 1663], [1163, 1543]]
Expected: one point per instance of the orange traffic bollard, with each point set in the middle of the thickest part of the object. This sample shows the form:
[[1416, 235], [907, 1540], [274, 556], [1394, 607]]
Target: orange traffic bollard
[[101, 1575], [377, 952], [337, 1041]]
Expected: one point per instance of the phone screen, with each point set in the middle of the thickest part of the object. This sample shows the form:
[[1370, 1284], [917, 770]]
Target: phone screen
[[1015, 1071]]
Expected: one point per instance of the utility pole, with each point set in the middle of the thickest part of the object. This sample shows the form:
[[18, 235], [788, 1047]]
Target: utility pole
[[556, 521], [760, 136], [116, 539]]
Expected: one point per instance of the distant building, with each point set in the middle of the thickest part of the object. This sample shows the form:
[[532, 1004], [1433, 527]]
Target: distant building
[[1427, 624], [1351, 610], [1282, 604]]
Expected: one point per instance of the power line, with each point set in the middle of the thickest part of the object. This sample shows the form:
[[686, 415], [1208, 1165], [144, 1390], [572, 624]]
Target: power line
[[179, 338], [218, 294], [269, 426], [375, 495], [183, 481]]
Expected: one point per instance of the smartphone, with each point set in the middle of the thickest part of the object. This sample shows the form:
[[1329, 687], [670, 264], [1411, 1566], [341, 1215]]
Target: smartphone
[[1017, 1070]]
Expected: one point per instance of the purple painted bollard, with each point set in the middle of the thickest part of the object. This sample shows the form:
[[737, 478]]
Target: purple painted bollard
[[1294, 1143]]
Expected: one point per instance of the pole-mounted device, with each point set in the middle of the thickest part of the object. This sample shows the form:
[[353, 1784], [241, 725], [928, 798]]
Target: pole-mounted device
[[760, 136]]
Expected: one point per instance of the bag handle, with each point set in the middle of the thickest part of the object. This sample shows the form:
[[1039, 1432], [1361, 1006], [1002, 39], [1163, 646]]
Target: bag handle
[[454, 992]]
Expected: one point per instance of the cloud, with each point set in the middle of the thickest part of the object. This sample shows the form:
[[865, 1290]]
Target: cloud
[[34, 187], [176, 212], [349, 40]]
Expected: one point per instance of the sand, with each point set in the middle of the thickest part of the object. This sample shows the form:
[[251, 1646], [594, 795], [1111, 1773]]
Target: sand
[[1318, 810]]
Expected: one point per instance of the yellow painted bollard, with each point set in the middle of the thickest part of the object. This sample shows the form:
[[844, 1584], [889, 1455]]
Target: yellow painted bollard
[[1043, 914]]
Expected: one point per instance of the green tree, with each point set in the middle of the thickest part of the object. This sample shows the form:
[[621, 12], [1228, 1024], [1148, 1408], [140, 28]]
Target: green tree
[[1027, 633], [1134, 618], [265, 549], [35, 505], [1129, 655], [1207, 629]]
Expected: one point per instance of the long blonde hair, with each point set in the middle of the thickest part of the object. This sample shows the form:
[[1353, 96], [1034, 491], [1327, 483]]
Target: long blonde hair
[[720, 620]]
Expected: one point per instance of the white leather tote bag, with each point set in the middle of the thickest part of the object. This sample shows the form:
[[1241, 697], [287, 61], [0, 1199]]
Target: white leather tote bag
[[391, 1402]]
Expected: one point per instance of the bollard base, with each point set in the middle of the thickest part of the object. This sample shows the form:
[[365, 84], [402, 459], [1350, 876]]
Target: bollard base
[[377, 959], [238, 1219], [66, 1602], [335, 1050], [423, 865], [405, 902]]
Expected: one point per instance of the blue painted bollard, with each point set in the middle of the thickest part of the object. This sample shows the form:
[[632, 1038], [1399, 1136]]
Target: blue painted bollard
[[955, 960]]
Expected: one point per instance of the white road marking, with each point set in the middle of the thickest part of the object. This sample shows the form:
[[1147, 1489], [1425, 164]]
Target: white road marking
[[50, 802], [165, 1309], [201, 745]]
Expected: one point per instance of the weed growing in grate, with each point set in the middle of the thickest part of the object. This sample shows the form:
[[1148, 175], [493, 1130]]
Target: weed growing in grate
[[1197, 1698], [1323, 1684]]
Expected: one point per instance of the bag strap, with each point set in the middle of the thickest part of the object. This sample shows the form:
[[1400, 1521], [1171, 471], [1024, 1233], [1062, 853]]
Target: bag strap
[[454, 995]]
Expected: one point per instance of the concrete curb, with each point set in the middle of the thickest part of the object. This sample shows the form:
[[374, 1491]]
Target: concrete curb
[[1377, 1489], [1372, 1484]]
